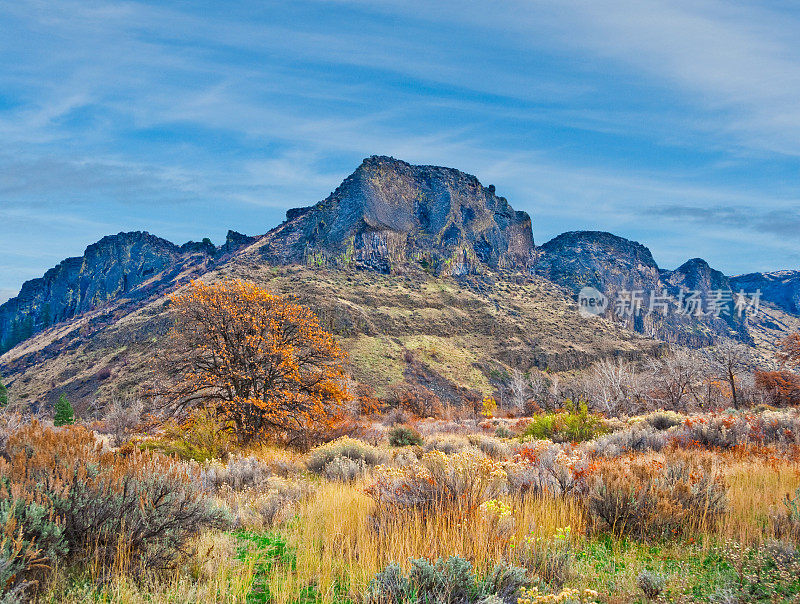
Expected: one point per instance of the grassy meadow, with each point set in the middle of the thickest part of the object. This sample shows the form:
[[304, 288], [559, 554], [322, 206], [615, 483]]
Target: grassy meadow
[[653, 508]]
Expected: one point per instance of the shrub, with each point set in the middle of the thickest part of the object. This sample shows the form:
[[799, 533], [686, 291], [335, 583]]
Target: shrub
[[664, 420], [121, 420], [366, 402], [3, 395], [650, 498], [389, 586], [638, 438], [239, 473], [438, 481], [733, 429], [447, 443], [344, 469], [505, 582], [542, 427], [140, 509], [547, 468], [766, 572], [651, 584], [416, 400], [503, 432], [782, 388], [490, 446], [65, 415], [570, 595], [550, 559], [488, 407], [263, 508], [571, 425], [202, 436], [30, 537], [446, 581], [345, 447], [404, 436]]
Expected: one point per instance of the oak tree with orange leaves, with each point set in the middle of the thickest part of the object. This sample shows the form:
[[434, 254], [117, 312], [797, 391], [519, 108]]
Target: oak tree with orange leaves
[[782, 387], [260, 359], [790, 350]]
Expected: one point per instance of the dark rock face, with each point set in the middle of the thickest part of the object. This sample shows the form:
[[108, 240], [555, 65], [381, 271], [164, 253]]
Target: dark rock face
[[597, 259], [124, 265], [781, 288], [388, 213], [235, 241], [697, 275], [615, 265]]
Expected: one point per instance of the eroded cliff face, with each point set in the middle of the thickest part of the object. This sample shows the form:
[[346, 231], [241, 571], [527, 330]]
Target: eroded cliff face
[[389, 213], [597, 259], [781, 288], [130, 266], [618, 267]]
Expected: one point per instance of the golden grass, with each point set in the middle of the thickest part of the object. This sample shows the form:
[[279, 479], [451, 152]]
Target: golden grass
[[213, 575], [755, 487], [341, 540]]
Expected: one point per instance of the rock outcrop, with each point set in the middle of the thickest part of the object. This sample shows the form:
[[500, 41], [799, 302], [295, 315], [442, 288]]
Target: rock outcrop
[[597, 259], [781, 288], [127, 264], [697, 275], [389, 213], [620, 268]]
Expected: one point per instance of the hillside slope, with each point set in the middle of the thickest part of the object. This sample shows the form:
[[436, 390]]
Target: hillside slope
[[451, 335], [426, 276]]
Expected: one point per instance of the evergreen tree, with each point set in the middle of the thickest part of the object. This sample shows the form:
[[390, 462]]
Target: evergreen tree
[[65, 414], [3, 395]]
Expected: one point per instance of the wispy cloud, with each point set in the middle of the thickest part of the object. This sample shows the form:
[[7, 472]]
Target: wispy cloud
[[634, 116]]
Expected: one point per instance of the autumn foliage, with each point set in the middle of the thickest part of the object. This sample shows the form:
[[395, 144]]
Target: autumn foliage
[[262, 361], [790, 350], [782, 387], [65, 498]]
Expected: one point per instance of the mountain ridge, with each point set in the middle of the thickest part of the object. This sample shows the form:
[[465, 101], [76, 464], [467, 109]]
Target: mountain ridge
[[426, 229], [389, 212], [135, 264]]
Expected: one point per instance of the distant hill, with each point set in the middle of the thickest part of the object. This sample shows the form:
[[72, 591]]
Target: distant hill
[[781, 288], [427, 276]]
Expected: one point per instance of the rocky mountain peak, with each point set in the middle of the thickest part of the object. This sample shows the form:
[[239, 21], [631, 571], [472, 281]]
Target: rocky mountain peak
[[598, 259], [781, 288], [129, 264], [389, 212], [697, 275]]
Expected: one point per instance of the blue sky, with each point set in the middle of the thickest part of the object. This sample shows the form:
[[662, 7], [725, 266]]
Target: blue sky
[[673, 123]]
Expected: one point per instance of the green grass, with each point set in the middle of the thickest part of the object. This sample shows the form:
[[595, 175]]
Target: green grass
[[269, 550], [611, 566]]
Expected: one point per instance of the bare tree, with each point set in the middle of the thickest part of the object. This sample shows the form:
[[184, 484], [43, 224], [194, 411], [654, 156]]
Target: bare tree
[[613, 384], [121, 418], [539, 387], [728, 360], [518, 389], [674, 378]]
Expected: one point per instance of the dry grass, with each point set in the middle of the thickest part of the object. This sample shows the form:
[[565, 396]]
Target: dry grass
[[213, 575], [340, 537], [342, 541], [755, 487]]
